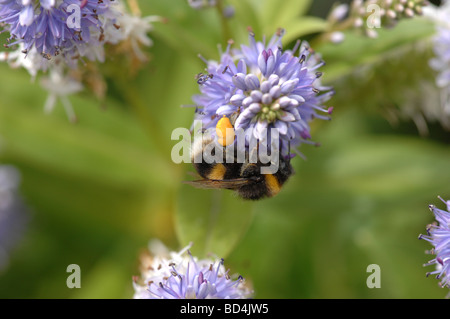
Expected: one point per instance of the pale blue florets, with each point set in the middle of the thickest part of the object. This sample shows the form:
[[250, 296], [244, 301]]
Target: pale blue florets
[[54, 35], [182, 276], [51, 27], [267, 87], [438, 234]]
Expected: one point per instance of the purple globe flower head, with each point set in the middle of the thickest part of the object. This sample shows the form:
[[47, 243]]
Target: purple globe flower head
[[265, 87], [438, 234], [54, 27], [179, 275], [54, 35]]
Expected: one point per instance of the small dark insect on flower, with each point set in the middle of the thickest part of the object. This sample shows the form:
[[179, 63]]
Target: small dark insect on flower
[[202, 78]]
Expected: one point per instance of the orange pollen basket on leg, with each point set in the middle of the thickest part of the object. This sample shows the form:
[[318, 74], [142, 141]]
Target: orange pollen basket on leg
[[225, 131], [273, 186]]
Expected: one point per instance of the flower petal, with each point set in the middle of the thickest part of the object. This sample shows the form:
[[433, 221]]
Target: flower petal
[[287, 117], [26, 17], [282, 127]]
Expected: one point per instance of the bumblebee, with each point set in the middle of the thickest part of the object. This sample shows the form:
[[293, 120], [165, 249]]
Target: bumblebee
[[244, 178]]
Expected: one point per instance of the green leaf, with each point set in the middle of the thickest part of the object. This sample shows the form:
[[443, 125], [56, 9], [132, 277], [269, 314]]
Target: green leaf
[[55, 143], [357, 50], [214, 220], [295, 29], [359, 199], [389, 75], [187, 30], [279, 15], [265, 17], [247, 15]]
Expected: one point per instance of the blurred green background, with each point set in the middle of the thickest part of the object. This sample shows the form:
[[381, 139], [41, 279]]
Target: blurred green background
[[100, 189]]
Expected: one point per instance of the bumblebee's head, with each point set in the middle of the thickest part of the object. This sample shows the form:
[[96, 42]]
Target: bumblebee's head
[[225, 131]]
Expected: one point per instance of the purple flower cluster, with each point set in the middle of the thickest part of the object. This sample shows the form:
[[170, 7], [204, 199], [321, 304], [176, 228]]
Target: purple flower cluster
[[182, 276], [54, 27], [54, 35], [267, 88], [438, 234]]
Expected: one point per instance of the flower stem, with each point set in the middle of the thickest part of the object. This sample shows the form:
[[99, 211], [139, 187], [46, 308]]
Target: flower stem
[[134, 7]]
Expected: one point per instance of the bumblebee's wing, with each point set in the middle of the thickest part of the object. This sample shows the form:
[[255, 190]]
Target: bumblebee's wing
[[193, 174], [215, 183]]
